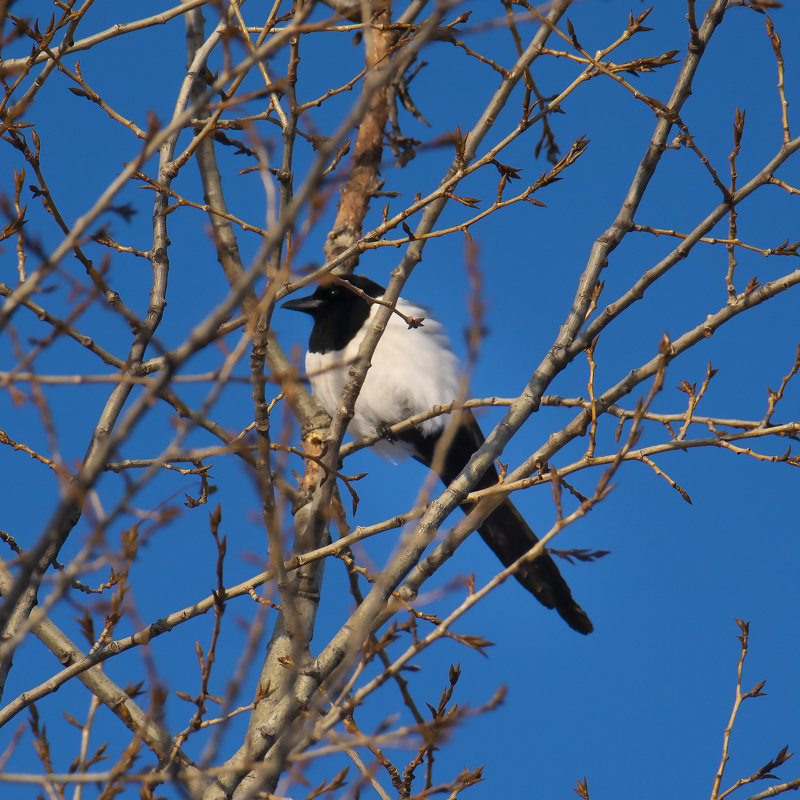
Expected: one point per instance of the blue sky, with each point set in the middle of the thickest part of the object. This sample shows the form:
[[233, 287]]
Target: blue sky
[[643, 701]]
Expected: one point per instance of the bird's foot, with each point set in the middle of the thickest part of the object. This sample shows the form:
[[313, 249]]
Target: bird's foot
[[384, 431]]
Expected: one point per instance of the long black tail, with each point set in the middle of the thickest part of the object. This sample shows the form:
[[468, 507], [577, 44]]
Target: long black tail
[[505, 530]]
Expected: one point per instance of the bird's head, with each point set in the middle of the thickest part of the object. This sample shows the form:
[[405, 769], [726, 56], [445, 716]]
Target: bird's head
[[339, 308]]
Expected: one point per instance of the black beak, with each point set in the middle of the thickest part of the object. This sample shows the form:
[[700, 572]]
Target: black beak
[[308, 304]]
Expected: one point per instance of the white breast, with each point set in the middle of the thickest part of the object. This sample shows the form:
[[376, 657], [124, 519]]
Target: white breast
[[412, 370]]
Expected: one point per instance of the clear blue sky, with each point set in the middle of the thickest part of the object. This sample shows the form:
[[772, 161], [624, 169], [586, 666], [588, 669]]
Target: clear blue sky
[[640, 705]]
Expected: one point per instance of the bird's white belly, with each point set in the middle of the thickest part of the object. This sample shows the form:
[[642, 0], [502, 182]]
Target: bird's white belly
[[412, 370]]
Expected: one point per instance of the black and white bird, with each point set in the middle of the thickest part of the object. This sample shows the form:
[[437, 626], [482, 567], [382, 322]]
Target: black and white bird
[[412, 370]]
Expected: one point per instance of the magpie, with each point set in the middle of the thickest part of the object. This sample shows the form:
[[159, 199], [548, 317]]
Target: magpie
[[412, 370]]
